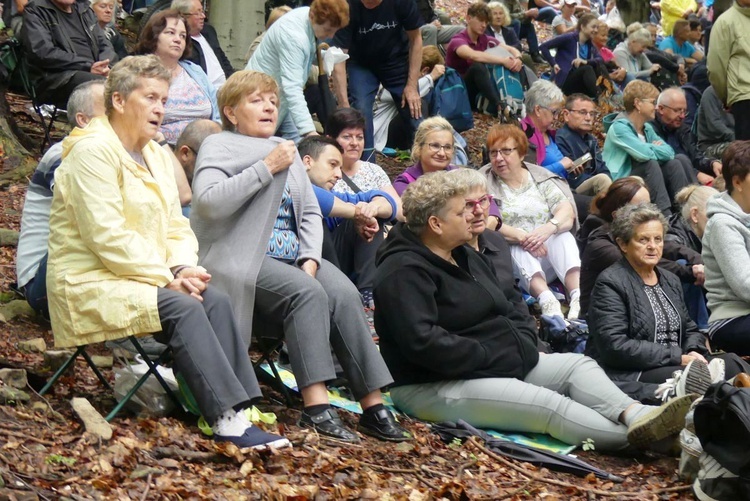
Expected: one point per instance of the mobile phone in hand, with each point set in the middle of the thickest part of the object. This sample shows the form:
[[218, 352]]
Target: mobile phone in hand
[[582, 160]]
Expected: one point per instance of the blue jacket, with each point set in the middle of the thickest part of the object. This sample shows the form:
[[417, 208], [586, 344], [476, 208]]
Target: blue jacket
[[567, 50], [574, 146], [622, 145], [326, 199], [197, 74]]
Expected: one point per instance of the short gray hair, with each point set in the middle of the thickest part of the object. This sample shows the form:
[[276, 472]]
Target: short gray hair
[[182, 6], [543, 93], [428, 196], [470, 179], [94, 2], [125, 76], [634, 27], [628, 218], [641, 35], [666, 94], [82, 100]]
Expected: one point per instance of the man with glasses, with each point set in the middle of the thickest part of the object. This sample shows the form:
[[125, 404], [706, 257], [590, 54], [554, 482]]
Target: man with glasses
[[575, 139], [671, 110], [206, 51]]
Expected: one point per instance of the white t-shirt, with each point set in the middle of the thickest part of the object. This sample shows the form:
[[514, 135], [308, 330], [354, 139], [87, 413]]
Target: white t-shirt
[[213, 67], [558, 20]]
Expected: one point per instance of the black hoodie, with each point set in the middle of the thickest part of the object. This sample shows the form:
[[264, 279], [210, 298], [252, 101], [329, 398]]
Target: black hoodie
[[440, 322]]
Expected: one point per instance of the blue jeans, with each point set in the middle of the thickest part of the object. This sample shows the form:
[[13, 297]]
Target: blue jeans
[[526, 30], [546, 15], [695, 300], [36, 290], [363, 86], [287, 129]]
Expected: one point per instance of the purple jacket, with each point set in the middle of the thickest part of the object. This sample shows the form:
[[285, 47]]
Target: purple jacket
[[567, 50], [411, 174]]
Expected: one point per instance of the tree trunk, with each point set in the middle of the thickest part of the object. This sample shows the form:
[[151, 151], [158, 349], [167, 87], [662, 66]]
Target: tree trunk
[[18, 163], [634, 11]]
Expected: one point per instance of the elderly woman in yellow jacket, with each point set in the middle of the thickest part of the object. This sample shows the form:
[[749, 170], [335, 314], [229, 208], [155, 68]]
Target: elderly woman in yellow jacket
[[122, 257]]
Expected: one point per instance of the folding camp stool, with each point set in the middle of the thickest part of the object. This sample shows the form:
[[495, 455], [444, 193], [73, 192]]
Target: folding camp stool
[[269, 347], [163, 358], [14, 60]]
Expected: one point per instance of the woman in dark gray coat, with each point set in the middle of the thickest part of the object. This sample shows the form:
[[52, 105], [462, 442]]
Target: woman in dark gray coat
[[640, 328], [259, 226]]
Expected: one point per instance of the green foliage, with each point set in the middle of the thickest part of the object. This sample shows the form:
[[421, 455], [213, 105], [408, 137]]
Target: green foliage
[[58, 459], [456, 443], [403, 155], [588, 445]]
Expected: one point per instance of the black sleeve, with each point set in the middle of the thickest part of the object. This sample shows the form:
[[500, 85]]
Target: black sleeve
[[40, 48], [609, 324], [412, 323], [409, 14], [674, 251]]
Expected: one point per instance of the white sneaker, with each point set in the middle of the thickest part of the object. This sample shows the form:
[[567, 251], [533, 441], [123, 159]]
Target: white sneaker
[[695, 378], [717, 369], [551, 307], [575, 308]]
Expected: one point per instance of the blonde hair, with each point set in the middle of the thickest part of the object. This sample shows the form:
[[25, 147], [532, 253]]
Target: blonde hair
[[276, 13], [638, 89], [239, 85], [432, 124], [691, 196], [506, 13]]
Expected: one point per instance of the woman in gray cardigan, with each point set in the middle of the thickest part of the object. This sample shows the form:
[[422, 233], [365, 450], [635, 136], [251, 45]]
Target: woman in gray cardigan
[[259, 226]]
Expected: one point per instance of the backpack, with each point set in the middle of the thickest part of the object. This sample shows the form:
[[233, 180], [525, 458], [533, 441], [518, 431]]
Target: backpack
[[450, 100], [722, 423]]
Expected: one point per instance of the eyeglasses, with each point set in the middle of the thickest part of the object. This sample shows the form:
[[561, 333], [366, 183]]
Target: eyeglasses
[[584, 113], [506, 152], [436, 147], [554, 112], [198, 13], [680, 111], [483, 202]]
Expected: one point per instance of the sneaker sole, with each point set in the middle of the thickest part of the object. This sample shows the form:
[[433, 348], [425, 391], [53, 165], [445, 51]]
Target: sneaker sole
[[667, 420], [696, 378], [702, 496], [276, 444]]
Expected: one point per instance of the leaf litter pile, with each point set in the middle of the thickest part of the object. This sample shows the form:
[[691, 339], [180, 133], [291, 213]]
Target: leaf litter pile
[[45, 452]]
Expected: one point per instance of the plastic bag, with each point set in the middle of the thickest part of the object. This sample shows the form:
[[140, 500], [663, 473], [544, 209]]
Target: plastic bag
[[150, 399]]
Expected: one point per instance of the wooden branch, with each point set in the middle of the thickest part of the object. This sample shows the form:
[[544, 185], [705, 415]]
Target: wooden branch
[[25, 436], [207, 457]]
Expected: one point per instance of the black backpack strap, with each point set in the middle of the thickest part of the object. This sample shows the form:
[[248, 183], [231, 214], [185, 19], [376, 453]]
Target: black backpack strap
[[350, 183]]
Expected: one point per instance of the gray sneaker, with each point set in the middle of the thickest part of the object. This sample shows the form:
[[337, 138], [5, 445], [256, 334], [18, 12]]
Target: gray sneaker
[[660, 423], [151, 346]]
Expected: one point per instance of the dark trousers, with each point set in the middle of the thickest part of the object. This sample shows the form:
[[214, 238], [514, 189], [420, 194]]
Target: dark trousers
[[36, 290], [479, 81], [583, 80], [526, 30], [59, 95], [208, 350], [355, 256], [741, 112], [653, 176], [733, 336]]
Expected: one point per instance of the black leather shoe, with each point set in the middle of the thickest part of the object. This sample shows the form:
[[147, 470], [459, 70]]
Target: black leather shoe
[[328, 423], [538, 59], [383, 425]]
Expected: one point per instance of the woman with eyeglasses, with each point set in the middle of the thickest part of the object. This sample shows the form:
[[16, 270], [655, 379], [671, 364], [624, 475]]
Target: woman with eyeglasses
[[432, 151], [633, 148], [458, 347], [538, 214]]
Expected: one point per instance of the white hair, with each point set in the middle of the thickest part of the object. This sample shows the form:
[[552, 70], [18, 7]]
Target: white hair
[[543, 93], [667, 94]]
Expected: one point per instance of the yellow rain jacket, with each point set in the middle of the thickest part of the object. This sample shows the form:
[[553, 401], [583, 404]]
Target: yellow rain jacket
[[116, 229]]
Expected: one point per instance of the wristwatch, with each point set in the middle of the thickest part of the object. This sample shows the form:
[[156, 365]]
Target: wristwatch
[[555, 223]]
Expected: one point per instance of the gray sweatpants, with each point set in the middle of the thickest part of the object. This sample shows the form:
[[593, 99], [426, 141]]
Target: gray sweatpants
[[208, 350], [566, 395], [314, 315]]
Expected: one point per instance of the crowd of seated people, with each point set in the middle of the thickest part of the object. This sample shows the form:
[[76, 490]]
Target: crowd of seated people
[[291, 233]]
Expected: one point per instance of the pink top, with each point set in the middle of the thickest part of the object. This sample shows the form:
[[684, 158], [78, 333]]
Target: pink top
[[460, 64]]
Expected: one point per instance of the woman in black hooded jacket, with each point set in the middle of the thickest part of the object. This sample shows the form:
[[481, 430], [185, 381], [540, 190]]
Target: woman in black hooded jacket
[[458, 349]]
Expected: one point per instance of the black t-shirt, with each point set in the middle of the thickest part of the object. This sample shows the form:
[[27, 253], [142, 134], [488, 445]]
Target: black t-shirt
[[75, 30], [376, 37]]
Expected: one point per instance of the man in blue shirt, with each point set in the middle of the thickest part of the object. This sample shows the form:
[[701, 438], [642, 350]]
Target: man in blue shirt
[[678, 43], [353, 222]]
